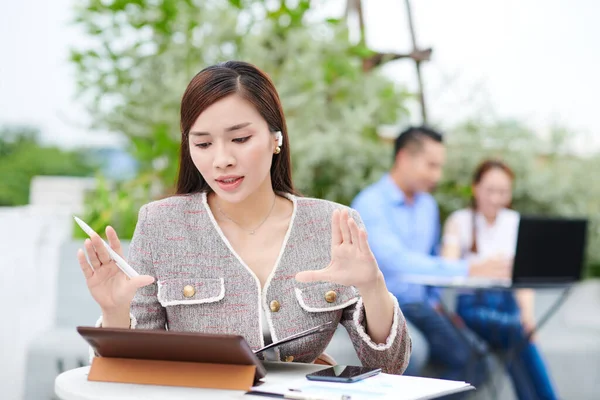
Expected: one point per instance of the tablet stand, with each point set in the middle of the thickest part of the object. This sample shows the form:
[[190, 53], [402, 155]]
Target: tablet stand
[[172, 373]]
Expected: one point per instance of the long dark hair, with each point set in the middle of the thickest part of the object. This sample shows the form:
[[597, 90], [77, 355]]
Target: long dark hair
[[214, 83], [480, 171]]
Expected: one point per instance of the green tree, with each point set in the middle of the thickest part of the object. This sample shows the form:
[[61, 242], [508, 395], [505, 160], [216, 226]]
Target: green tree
[[22, 157], [143, 53]]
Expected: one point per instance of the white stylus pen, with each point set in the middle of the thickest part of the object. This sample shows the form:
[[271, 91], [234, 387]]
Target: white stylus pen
[[122, 264]]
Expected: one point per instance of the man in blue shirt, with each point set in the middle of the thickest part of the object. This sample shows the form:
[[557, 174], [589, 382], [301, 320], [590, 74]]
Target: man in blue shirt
[[402, 220]]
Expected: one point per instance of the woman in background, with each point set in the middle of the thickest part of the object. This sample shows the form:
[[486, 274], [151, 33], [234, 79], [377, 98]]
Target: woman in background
[[489, 229]]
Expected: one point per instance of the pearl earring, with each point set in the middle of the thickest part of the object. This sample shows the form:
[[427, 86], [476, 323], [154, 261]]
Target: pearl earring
[[279, 137]]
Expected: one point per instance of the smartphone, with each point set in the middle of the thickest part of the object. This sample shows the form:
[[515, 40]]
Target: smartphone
[[343, 373]]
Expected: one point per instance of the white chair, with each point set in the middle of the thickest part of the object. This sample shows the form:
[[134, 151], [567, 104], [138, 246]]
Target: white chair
[[61, 348]]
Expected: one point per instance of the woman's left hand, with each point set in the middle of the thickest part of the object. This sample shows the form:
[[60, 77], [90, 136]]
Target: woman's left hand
[[525, 300], [352, 262], [529, 325]]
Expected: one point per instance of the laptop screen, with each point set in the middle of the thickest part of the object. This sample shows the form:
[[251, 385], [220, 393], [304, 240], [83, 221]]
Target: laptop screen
[[549, 250]]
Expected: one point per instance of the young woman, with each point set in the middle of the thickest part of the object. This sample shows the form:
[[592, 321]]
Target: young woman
[[237, 251], [489, 229]]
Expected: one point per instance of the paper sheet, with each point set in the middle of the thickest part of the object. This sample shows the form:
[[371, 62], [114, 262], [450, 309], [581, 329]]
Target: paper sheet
[[379, 387]]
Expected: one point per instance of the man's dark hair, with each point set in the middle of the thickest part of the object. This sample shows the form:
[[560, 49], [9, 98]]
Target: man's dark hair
[[413, 138]]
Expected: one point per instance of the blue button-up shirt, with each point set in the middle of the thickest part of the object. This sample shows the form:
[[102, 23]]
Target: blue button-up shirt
[[404, 238]]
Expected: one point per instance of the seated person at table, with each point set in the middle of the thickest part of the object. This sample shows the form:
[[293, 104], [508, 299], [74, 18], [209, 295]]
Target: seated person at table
[[489, 229], [403, 222], [237, 251]]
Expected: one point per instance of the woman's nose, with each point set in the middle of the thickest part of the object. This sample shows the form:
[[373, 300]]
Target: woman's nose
[[223, 157]]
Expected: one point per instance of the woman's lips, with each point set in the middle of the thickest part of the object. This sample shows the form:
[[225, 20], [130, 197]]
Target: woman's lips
[[229, 184]]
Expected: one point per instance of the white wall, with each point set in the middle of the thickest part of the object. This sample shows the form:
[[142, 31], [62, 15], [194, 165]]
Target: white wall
[[30, 238]]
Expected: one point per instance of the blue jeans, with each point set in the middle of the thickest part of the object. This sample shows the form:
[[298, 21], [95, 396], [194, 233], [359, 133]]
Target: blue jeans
[[495, 317], [455, 350]]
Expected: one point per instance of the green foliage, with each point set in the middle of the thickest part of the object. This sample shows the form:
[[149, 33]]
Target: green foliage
[[332, 106], [550, 180], [22, 157], [143, 54], [115, 204]]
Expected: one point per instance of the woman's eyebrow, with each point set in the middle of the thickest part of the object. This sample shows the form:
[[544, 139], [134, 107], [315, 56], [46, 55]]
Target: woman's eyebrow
[[238, 126], [229, 129]]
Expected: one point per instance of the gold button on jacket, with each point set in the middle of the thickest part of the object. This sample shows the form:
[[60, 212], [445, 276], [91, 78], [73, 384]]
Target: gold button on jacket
[[289, 359], [189, 291], [330, 296], [275, 306]]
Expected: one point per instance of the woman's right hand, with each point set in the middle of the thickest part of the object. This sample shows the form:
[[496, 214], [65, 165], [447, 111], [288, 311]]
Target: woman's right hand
[[108, 285], [493, 267]]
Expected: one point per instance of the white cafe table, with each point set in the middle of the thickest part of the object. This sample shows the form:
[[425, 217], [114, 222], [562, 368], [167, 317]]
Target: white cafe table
[[458, 282], [73, 385]]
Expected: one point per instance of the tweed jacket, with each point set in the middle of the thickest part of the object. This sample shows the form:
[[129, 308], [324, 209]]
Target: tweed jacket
[[202, 285]]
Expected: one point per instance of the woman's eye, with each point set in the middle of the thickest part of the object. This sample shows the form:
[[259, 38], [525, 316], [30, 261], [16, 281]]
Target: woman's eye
[[202, 145], [242, 139]]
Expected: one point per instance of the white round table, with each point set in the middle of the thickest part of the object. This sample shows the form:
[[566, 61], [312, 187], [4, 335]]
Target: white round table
[[73, 385]]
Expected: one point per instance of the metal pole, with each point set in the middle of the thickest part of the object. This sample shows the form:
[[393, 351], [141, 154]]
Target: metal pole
[[417, 62]]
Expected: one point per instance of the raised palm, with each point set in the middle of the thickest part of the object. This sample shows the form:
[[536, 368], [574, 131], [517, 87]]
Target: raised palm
[[352, 262]]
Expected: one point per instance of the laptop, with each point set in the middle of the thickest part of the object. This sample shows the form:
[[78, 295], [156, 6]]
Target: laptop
[[550, 251]]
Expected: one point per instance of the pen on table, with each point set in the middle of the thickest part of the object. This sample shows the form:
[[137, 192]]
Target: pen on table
[[299, 396], [121, 263]]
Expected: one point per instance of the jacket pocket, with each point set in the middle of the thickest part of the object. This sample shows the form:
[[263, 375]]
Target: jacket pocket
[[189, 291], [325, 297]]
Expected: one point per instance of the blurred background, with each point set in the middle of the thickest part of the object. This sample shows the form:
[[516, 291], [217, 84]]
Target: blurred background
[[89, 101]]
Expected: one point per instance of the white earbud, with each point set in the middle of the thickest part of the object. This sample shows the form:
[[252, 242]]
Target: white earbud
[[279, 137]]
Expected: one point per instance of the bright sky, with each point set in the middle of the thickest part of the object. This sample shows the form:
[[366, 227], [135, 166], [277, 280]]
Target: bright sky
[[37, 84], [536, 60]]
